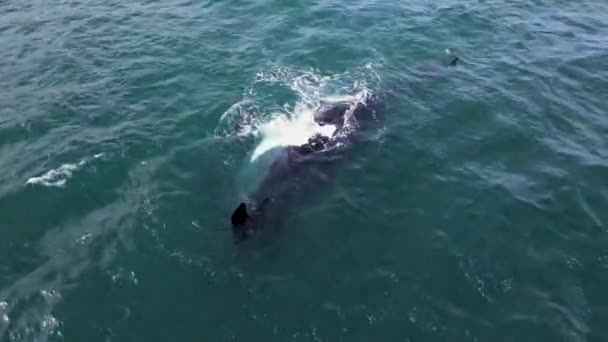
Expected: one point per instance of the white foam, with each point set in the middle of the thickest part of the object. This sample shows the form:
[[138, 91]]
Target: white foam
[[354, 98], [3, 316], [58, 177]]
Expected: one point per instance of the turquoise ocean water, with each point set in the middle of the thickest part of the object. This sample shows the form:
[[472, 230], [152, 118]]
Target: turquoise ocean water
[[476, 209]]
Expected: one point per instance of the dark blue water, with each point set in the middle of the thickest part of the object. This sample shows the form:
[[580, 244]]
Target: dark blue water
[[474, 209]]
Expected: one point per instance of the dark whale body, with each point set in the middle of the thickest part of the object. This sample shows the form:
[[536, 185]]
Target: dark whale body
[[347, 117]]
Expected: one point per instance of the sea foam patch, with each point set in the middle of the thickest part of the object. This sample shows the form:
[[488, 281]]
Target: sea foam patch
[[59, 176]]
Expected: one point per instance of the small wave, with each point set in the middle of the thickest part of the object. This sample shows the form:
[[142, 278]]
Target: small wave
[[59, 176]]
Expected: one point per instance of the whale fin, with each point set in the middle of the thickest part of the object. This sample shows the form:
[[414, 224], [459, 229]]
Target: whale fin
[[240, 215], [244, 223]]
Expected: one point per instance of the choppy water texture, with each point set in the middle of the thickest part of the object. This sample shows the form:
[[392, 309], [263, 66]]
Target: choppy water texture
[[475, 210]]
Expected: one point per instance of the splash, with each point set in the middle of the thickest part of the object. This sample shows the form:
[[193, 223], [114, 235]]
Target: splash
[[285, 130], [294, 124], [297, 126]]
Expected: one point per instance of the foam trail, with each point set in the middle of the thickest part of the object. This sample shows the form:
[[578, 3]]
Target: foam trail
[[59, 176]]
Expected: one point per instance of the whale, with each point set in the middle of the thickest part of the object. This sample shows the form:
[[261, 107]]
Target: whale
[[350, 118]]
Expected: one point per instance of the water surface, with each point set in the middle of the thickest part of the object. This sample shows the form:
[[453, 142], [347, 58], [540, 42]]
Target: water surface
[[475, 210]]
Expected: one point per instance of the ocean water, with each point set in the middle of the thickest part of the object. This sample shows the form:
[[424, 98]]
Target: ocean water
[[475, 209]]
